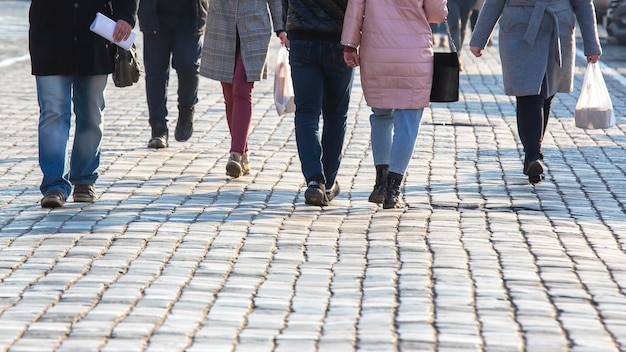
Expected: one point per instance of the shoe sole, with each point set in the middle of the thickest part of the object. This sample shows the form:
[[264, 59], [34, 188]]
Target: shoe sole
[[156, 145], [182, 138], [376, 199], [535, 172], [315, 198], [86, 199], [52, 203], [233, 169]]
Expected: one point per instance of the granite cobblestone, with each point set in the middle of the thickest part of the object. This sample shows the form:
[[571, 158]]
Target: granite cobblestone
[[174, 256]]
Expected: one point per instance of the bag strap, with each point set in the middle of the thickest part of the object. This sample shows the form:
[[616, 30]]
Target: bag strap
[[450, 41]]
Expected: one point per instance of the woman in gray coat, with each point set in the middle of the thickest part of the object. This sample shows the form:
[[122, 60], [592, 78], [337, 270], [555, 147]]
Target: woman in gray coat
[[236, 42], [537, 50]]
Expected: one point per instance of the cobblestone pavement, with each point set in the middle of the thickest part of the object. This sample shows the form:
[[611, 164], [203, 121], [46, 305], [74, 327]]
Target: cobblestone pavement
[[175, 256]]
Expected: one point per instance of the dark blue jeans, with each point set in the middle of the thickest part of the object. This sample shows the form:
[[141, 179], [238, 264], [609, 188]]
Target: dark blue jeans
[[177, 42], [322, 84]]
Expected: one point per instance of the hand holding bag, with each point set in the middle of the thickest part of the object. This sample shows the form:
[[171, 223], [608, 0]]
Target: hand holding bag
[[127, 67], [594, 108], [446, 68], [283, 86]]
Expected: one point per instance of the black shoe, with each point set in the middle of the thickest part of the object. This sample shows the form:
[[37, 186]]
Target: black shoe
[[534, 171], [84, 193], [159, 137], [378, 193], [333, 192], [53, 199], [392, 193], [184, 125], [315, 194]]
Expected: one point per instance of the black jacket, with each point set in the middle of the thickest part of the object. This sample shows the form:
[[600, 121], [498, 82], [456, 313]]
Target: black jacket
[[149, 22], [60, 41], [314, 19]]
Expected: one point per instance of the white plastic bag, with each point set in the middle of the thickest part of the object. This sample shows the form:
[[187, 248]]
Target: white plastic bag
[[594, 108], [283, 87]]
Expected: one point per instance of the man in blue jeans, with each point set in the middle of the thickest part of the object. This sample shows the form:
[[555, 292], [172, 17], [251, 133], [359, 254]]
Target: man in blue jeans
[[172, 31], [322, 84], [71, 65]]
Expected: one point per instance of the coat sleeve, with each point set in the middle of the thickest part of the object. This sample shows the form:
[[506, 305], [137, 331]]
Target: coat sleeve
[[586, 18], [436, 10], [125, 10], [487, 19], [353, 22], [276, 11]]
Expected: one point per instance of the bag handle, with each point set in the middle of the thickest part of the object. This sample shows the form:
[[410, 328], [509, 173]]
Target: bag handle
[[450, 41]]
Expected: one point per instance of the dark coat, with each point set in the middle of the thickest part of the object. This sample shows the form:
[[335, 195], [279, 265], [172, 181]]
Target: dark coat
[[149, 22], [60, 41], [314, 19]]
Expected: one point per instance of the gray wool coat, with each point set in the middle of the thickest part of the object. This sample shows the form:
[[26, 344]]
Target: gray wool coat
[[253, 19], [537, 40]]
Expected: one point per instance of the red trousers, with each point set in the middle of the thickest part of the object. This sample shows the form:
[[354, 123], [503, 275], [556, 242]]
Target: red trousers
[[238, 100]]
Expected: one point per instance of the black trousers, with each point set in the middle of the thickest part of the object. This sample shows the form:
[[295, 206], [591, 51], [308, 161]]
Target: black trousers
[[533, 112]]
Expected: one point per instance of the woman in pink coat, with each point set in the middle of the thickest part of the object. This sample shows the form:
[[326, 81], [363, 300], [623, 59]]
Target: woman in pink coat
[[390, 40]]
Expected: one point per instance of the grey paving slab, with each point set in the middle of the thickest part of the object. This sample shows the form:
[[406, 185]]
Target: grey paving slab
[[175, 256]]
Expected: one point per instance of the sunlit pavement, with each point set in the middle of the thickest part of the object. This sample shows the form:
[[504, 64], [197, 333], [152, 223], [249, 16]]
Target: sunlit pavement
[[176, 256]]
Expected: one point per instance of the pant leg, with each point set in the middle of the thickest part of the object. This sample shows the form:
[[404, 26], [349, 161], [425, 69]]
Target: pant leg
[[337, 88], [156, 58], [547, 104], [381, 129], [406, 123], [88, 108], [454, 22], [530, 124], [54, 94], [238, 98], [186, 51], [308, 86], [465, 9]]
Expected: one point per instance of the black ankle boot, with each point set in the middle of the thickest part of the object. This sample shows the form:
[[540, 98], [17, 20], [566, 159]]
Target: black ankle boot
[[378, 194], [184, 125], [159, 136], [392, 192]]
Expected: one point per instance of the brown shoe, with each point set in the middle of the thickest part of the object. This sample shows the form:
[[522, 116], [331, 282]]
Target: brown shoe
[[245, 164], [53, 199], [84, 193], [234, 168]]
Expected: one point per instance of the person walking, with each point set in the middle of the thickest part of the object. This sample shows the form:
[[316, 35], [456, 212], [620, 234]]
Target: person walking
[[71, 66], [172, 31], [537, 51], [458, 16], [393, 47], [235, 52], [322, 84]]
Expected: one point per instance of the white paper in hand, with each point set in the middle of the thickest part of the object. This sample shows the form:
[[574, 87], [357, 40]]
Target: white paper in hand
[[104, 27]]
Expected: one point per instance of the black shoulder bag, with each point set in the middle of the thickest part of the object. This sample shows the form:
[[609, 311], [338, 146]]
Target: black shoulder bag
[[446, 69], [127, 67]]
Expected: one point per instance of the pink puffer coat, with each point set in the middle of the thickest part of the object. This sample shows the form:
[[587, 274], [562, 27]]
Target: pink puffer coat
[[396, 54]]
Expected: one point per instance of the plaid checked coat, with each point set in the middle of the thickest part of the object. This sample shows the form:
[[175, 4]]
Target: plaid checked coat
[[253, 19]]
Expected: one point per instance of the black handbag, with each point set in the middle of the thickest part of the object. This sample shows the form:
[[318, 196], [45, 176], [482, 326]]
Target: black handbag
[[127, 67], [446, 68]]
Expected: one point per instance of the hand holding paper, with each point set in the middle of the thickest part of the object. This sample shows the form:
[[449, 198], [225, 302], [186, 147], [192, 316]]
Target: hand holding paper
[[105, 27]]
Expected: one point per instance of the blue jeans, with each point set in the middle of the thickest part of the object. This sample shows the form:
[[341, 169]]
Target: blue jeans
[[175, 41], [55, 95], [322, 84], [393, 135]]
